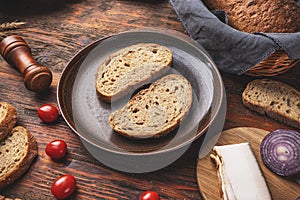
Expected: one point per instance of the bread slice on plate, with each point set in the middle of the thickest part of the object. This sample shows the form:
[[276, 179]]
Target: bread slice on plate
[[275, 99], [17, 152], [130, 68], [154, 111], [8, 118]]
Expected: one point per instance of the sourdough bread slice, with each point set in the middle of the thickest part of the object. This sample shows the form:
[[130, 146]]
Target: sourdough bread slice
[[275, 99], [8, 118], [154, 111], [130, 68], [17, 152]]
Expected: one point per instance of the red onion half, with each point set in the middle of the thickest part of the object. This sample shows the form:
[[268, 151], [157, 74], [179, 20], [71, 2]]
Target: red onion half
[[280, 151]]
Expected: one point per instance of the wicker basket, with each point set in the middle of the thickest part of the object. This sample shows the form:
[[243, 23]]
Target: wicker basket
[[277, 63]]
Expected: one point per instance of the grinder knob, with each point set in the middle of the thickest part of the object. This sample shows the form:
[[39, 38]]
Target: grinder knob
[[17, 53]]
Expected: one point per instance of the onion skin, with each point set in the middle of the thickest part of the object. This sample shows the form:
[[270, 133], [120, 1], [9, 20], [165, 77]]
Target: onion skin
[[280, 151]]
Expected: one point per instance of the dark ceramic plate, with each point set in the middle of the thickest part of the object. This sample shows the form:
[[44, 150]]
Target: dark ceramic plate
[[87, 115]]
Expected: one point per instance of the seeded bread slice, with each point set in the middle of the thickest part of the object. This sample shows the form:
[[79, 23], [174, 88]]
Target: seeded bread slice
[[17, 152], [130, 68], [275, 99], [154, 111], [8, 118]]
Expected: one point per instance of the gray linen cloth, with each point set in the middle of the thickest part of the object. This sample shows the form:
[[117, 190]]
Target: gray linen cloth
[[233, 51]]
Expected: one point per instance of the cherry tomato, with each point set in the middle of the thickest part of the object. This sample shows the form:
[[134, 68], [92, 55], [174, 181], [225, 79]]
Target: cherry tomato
[[47, 113], [63, 186], [56, 149], [149, 195]]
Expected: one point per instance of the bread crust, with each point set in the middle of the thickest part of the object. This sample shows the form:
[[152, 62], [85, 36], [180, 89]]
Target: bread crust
[[269, 16], [129, 63], [137, 102], [279, 103], [8, 120], [25, 162]]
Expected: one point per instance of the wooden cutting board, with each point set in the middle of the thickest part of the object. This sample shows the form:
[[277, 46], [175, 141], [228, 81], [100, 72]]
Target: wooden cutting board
[[280, 188]]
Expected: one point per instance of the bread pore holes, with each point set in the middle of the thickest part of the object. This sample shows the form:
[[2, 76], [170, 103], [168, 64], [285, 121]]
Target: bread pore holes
[[135, 110], [154, 51], [288, 101], [272, 103]]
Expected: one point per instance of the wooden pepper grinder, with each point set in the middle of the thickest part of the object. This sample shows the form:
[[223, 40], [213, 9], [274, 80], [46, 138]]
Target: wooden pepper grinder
[[17, 53]]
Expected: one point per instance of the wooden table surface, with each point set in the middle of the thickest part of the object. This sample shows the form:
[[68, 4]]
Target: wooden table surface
[[57, 29]]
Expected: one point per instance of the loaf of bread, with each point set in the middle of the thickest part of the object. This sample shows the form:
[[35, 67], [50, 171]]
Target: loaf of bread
[[8, 118], [130, 68], [154, 111], [17, 152], [275, 99], [269, 16]]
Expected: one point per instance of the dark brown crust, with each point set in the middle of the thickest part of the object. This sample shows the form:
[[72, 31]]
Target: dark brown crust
[[9, 120], [266, 110], [25, 163], [260, 15]]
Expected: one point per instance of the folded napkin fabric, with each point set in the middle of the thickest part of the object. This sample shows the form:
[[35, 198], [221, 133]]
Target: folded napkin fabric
[[233, 51]]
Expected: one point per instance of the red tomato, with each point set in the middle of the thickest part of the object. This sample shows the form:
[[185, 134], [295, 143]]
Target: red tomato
[[48, 113], [149, 195], [56, 149], [63, 186]]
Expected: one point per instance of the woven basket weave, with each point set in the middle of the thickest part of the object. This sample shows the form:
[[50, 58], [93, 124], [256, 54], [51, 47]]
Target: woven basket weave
[[277, 63]]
